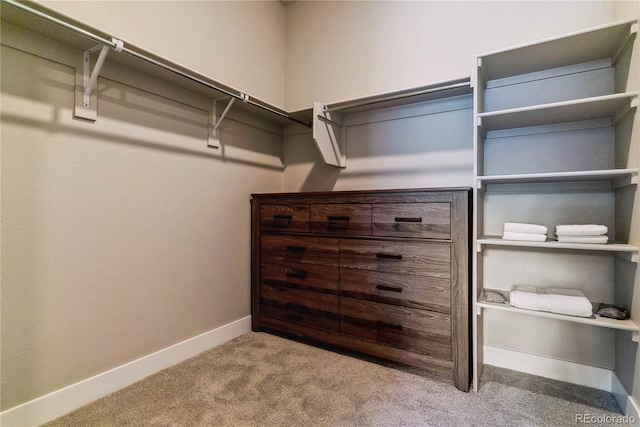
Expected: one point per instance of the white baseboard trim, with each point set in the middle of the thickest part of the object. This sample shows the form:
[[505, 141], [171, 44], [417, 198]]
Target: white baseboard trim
[[67, 399], [561, 370], [628, 404]]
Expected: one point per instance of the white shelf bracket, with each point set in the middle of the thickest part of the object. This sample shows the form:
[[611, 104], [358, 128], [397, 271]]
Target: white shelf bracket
[[88, 109], [214, 137], [633, 31], [328, 135], [628, 256], [632, 179], [477, 73], [633, 103], [480, 128], [635, 336], [479, 247]]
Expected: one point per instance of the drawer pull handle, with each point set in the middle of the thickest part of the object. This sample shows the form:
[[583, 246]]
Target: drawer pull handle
[[282, 220], [296, 249], [385, 325], [388, 256], [407, 219], [338, 221], [300, 274], [389, 288]]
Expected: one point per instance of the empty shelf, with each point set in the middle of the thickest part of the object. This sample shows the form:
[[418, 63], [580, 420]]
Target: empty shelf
[[600, 107]]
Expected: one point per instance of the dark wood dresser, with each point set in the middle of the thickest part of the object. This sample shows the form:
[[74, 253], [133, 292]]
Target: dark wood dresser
[[385, 273]]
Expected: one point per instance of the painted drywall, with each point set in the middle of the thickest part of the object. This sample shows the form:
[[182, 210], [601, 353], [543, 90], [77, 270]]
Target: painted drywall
[[237, 43], [120, 237], [348, 49]]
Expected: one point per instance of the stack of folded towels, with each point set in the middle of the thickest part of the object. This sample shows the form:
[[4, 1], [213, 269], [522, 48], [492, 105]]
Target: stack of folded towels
[[571, 302], [526, 232], [579, 233]]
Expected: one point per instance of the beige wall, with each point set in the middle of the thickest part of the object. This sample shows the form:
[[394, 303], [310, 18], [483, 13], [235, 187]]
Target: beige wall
[[237, 43], [338, 50], [120, 237]]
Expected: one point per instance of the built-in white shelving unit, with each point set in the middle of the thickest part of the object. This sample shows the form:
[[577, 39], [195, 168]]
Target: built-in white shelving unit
[[553, 122]]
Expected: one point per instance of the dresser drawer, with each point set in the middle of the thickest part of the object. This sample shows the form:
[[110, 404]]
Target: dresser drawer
[[421, 220], [306, 250], [422, 259], [424, 292], [421, 331], [318, 277], [290, 217], [300, 306], [351, 219]]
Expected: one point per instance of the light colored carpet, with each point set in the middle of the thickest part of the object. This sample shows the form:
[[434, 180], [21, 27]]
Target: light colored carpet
[[260, 379]]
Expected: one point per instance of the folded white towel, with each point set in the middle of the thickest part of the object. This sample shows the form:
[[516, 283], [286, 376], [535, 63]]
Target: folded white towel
[[581, 230], [571, 302], [524, 296], [520, 227], [583, 239], [529, 237]]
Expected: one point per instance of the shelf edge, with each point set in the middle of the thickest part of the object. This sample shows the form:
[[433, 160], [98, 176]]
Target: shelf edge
[[622, 325]]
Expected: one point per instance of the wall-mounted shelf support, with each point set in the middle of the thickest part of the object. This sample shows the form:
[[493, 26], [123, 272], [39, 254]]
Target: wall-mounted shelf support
[[633, 103], [479, 76], [633, 31], [88, 110], [329, 135], [214, 138], [91, 77]]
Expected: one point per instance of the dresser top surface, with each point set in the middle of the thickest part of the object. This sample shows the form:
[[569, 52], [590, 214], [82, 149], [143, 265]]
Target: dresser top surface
[[386, 192]]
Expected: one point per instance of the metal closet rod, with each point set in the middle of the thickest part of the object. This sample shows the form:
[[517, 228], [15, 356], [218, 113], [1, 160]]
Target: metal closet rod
[[102, 40]]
